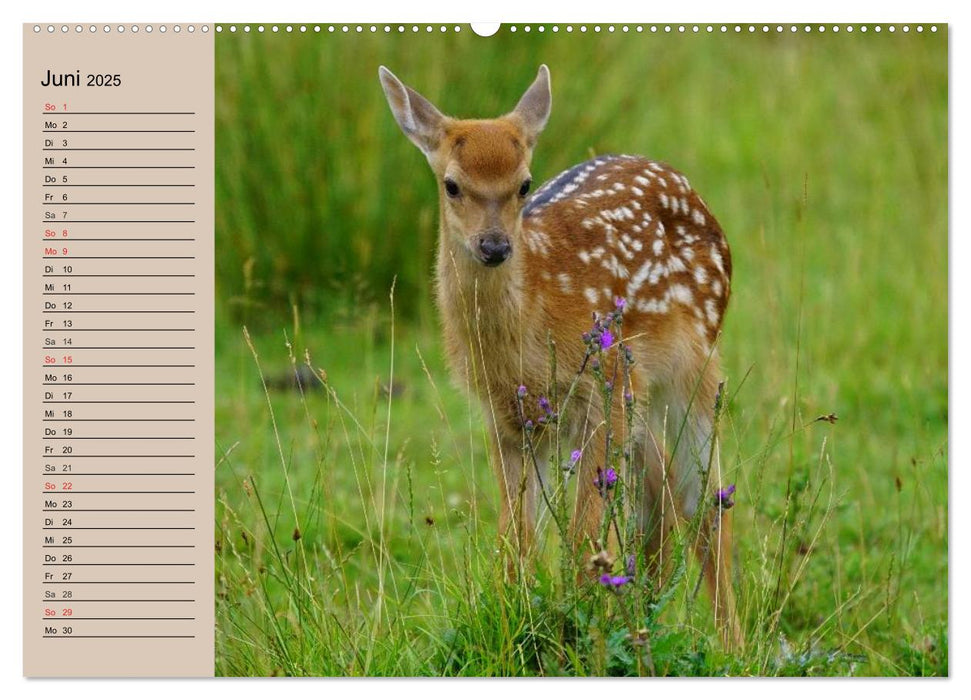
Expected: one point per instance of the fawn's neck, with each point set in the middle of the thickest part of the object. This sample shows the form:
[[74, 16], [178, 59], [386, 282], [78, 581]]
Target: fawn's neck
[[486, 311]]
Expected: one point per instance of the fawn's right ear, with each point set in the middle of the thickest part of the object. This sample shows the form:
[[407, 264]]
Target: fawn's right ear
[[417, 117]]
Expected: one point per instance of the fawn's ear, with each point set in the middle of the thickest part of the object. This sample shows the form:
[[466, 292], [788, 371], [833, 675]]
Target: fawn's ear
[[417, 117], [534, 106]]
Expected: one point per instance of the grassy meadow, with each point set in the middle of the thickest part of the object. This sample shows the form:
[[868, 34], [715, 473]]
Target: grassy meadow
[[356, 509]]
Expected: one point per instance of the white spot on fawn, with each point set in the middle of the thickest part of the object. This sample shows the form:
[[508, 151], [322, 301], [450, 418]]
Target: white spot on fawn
[[656, 273], [653, 306], [711, 312], [698, 217], [680, 293], [566, 283], [701, 277], [537, 241], [591, 294], [716, 257], [615, 267], [676, 264], [639, 278]]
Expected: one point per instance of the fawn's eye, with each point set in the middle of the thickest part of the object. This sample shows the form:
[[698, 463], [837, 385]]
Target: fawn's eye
[[451, 189], [524, 188]]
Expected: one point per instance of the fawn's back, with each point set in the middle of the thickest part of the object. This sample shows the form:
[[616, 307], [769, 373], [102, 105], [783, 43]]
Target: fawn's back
[[624, 227]]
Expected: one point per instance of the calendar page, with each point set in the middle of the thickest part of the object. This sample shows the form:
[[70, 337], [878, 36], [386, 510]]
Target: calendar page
[[514, 350]]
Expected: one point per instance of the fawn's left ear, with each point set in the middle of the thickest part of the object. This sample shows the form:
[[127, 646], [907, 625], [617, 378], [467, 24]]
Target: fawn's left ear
[[534, 106], [418, 118]]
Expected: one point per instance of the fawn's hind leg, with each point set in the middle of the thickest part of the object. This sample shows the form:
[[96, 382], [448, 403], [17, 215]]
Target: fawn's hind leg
[[696, 478], [657, 510], [714, 549]]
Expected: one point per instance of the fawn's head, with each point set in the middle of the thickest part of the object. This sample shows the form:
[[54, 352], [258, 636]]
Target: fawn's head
[[482, 165]]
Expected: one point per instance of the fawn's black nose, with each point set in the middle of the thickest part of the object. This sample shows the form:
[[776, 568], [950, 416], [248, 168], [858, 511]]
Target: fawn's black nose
[[494, 249]]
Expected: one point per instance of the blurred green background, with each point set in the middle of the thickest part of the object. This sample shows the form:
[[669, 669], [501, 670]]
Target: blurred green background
[[825, 158]]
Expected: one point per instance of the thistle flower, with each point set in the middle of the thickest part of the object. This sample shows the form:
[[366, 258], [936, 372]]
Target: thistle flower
[[606, 339], [631, 564], [575, 457], [615, 582], [605, 479], [521, 391], [723, 497], [544, 405], [620, 303]]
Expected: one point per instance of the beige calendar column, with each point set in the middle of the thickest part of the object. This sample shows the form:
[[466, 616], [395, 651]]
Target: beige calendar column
[[118, 350]]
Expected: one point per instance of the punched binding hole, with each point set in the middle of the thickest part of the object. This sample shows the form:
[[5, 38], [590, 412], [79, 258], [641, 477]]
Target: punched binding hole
[[485, 28]]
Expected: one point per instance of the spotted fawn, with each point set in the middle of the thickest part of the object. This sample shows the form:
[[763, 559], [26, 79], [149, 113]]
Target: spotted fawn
[[515, 271]]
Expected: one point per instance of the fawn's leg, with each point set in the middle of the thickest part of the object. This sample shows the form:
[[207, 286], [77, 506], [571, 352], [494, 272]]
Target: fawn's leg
[[714, 548], [698, 478], [588, 513], [657, 509], [596, 490], [517, 504]]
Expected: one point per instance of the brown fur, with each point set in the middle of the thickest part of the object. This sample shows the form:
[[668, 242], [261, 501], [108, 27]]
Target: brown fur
[[627, 228]]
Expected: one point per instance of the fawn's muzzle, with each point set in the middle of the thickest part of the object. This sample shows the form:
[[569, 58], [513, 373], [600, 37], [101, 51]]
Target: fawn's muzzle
[[494, 248]]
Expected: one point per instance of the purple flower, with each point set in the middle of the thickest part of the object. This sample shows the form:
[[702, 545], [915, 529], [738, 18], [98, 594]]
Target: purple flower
[[620, 303], [544, 405], [723, 497], [521, 391], [614, 582], [575, 456], [606, 339], [605, 479], [529, 425], [631, 564]]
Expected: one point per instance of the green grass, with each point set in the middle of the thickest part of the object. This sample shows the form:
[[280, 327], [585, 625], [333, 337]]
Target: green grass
[[356, 525]]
